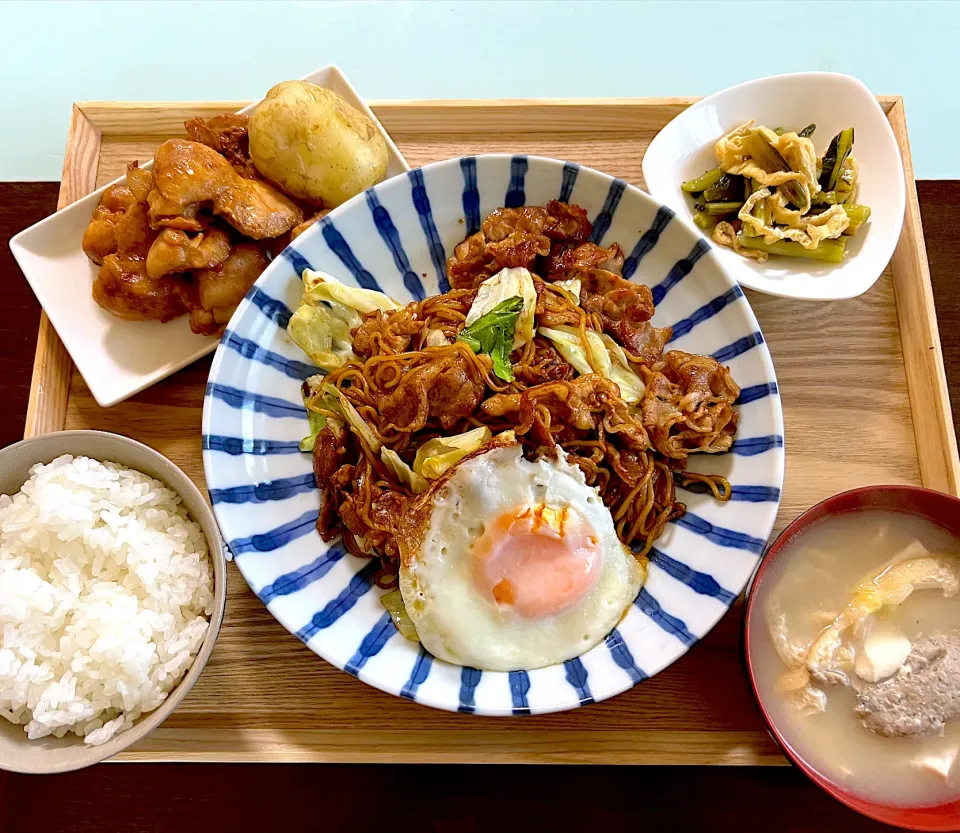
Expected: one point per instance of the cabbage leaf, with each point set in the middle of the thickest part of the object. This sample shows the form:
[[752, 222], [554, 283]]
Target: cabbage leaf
[[328, 312], [435, 456], [570, 288], [403, 472], [508, 283], [356, 422], [608, 356]]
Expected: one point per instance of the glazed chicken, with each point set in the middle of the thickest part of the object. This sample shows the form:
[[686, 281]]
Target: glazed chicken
[[215, 293], [178, 239], [120, 219], [226, 135], [296, 231], [123, 288], [176, 251], [189, 176], [120, 238]]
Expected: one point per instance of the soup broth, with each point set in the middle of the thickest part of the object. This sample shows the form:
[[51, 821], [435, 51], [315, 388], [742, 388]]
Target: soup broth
[[804, 588]]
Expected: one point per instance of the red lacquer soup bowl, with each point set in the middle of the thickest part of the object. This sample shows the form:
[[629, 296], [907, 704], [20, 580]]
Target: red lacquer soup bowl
[[943, 510]]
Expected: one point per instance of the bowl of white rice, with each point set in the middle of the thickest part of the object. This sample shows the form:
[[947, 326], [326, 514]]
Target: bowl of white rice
[[112, 590]]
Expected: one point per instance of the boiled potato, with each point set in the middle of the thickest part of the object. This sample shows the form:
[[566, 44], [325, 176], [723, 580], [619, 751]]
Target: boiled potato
[[315, 145]]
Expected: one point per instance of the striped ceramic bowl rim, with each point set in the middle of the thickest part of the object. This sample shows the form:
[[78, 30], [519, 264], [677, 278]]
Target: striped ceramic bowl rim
[[395, 237]]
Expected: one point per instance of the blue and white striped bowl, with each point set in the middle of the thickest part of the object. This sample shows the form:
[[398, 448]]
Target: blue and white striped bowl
[[395, 238]]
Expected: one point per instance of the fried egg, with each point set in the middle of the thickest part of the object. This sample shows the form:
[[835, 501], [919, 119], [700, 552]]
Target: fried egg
[[509, 564]]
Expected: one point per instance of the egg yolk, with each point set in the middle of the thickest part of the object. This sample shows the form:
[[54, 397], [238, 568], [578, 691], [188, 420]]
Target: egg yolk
[[538, 561]]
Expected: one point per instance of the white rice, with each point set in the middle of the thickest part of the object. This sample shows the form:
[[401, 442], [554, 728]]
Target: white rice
[[105, 590]]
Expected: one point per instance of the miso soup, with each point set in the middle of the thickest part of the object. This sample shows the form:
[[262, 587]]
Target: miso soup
[[855, 647]]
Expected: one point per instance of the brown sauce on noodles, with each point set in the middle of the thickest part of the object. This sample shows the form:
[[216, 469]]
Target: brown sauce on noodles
[[409, 392]]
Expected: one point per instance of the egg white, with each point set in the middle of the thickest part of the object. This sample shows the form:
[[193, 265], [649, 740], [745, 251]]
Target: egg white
[[455, 622]]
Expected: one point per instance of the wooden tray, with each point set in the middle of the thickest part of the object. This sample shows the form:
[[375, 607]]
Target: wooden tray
[[864, 398]]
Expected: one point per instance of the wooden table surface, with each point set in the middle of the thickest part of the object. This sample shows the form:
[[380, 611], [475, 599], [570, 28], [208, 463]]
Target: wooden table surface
[[266, 797]]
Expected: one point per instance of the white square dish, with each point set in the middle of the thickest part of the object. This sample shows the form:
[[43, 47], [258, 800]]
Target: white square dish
[[119, 358], [684, 149]]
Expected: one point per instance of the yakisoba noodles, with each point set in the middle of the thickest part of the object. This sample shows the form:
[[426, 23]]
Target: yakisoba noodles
[[585, 372]]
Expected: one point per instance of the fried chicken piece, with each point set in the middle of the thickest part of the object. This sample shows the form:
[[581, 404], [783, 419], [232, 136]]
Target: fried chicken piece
[[124, 288], [189, 175], [227, 286], [139, 182], [99, 239], [118, 208], [300, 229], [213, 294], [132, 232], [445, 389], [136, 262], [228, 136], [119, 238], [688, 406], [176, 251], [162, 215]]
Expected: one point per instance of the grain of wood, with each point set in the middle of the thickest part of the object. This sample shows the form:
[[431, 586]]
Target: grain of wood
[[265, 696], [165, 118], [462, 746], [151, 118], [922, 354], [53, 367]]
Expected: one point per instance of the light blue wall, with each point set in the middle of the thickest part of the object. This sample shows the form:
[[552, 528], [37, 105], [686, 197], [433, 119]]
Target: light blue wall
[[54, 53]]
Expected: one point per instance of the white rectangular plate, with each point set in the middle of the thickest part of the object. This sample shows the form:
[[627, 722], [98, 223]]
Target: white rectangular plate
[[119, 358]]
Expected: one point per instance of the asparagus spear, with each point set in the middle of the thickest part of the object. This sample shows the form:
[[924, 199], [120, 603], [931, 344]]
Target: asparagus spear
[[835, 157], [848, 177], [807, 132], [846, 182], [830, 251], [858, 215], [829, 198], [701, 183], [727, 188], [704, 221], [768, 158], [719, 209]]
